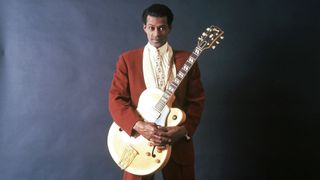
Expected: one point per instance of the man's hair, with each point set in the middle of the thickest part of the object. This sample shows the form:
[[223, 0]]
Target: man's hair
[[158, 10]]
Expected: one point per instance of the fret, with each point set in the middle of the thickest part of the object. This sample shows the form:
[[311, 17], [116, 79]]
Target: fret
[[171, 89], [177, 81], [191, 60], [180, 74], [188, 63], [183, 72], [164, 100], [173, 85], [197, 51], [160, 105], [186, 68], [194, 56], [166, 95], [179, 78]]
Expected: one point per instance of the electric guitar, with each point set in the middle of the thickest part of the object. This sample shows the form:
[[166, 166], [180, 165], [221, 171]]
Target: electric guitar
[[134, 154]]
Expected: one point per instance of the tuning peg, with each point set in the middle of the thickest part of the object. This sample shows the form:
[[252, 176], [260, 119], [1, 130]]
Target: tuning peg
[[209, 29], [217, 42], [221, 37], [213, 47], [204, 34]]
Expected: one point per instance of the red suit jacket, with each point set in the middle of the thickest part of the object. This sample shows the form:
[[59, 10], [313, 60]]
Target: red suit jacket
[[128, 84]]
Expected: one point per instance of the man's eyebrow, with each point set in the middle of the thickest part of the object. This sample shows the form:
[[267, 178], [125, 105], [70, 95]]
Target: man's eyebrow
[[157, 26]]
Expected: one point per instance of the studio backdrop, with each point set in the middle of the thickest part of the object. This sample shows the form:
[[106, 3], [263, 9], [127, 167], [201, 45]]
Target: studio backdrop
[[262, 110]]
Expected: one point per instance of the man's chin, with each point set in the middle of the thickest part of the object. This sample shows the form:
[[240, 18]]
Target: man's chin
[[157, 44]]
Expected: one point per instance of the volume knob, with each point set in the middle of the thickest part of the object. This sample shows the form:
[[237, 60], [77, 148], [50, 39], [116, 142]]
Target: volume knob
[[174, 117]]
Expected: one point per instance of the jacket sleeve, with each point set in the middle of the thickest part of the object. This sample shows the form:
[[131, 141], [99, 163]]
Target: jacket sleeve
[[120, 102], [194, 100]]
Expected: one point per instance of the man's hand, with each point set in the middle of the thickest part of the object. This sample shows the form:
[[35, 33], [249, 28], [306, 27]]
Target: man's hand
[[149, 131], [170, 135], [160, 136]]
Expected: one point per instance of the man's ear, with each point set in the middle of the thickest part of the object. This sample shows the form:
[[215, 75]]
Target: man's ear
[[144, 27]]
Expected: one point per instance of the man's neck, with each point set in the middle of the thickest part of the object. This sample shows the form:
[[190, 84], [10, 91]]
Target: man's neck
[[163, 48]]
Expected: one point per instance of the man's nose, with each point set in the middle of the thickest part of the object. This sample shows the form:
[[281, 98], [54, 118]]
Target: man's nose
[[156, 32]]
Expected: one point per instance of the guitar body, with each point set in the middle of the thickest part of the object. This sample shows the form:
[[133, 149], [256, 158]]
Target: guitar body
[[134, 154]]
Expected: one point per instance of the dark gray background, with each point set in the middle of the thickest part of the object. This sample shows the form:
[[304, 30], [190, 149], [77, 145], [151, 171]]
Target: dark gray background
[[261, 118]]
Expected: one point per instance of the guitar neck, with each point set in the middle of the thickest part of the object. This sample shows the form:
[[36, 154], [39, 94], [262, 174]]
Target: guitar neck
[[178, 79]]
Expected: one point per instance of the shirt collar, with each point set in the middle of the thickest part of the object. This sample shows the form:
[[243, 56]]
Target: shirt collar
[[163, 49]]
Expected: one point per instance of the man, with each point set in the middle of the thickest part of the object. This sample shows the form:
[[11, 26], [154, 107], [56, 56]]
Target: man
[[156, 65]]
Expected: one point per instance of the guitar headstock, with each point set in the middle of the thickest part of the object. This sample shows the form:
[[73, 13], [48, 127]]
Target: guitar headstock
[[210, 38]]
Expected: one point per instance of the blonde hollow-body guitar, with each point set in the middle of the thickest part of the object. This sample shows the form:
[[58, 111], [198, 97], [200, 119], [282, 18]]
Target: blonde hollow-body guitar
[[135, 154]]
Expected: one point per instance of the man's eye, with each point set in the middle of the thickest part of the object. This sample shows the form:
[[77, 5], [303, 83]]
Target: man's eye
[[163, 28], [151, 28]]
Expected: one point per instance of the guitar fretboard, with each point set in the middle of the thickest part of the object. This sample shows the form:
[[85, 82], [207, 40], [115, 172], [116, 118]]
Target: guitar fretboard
[[178, 79]]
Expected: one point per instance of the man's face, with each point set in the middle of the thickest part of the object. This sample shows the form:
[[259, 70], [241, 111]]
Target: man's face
[[157, 30]]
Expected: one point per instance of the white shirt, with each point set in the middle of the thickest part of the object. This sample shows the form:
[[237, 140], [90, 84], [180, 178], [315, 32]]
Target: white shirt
[[150, 58]]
